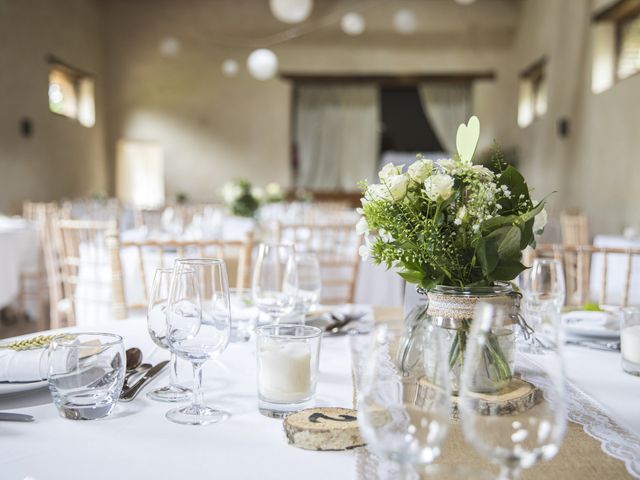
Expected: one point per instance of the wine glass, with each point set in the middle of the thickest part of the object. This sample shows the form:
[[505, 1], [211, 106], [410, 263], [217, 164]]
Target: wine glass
[[198, 326], [275, 280], [404, 419], [536, 430], [309, 280], [543, 292], [157, 326]]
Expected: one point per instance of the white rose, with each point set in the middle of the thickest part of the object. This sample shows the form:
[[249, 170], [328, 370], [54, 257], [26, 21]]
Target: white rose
[[396, 187], [231, 192], [438, 187], [257, 193], [540, 222], [273, 189], [420, 170], [447, 164], [482, 171], [362, 226], [390, 170], [375, 192]]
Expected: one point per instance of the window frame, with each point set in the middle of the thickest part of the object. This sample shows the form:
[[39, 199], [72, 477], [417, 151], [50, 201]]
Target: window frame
[[633, 14], [77, 77], [536, 76]]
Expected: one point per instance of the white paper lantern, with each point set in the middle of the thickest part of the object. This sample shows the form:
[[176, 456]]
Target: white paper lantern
[[262, 64], [405, 22], [291, 11], [169, 47], [352, 23], [464, 2], [230, 68]]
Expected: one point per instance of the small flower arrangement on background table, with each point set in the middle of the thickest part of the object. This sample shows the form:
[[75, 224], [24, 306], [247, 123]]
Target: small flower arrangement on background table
[[243, 199]]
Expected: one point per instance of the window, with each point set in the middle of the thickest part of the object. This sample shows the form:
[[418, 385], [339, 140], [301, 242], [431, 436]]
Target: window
[[616, 49], [532, 102], [71, 93], [628, 35]]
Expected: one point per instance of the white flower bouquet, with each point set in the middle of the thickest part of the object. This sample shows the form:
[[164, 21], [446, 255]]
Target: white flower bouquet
[[451, 222], [239, 198]]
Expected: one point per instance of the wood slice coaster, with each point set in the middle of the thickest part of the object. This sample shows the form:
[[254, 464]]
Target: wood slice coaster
[[323, 428], [517, 397]]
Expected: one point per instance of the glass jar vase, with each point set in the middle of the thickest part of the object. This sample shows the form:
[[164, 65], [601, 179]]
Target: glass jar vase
[[451, 309]]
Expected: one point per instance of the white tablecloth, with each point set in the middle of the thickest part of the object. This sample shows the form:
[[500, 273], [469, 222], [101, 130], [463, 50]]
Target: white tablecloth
[[138, 442], [616, 270], [18, 253]]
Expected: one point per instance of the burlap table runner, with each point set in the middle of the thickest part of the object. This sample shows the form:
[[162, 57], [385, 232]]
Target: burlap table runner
[[580, 456]]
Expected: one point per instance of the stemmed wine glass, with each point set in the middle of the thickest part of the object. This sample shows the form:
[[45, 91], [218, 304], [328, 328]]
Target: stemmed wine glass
[[543, 292], [275, 280], [157, 326], [404, 419], [309, 280], [523, 438], [198, 327]]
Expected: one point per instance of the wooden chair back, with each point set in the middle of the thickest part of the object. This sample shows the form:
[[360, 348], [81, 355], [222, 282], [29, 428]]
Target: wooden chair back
[[85, 268], [336, 246], [133, 265], [574, 227], [612, 279]]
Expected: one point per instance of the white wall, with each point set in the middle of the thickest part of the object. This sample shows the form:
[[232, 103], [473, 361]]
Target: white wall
[[597, 168], [62, 158]]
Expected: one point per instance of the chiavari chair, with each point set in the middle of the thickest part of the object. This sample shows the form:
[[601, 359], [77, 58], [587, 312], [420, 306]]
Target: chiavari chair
[[336, 246]]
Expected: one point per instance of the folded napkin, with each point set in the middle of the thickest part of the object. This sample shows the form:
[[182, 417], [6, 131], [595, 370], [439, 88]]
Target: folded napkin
[[23, 365]]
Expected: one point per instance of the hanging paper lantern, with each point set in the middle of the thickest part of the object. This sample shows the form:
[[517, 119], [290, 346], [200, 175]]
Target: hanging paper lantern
[[169, 47], [405, 21], [262, 64], [291, 11], [230, 68], [352, 23]]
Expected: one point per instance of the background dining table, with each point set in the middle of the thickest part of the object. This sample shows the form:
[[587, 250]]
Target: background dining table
[[18, 254]]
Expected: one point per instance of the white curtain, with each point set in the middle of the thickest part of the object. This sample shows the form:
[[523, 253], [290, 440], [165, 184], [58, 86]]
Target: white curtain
[[337, 135], [446, 106]]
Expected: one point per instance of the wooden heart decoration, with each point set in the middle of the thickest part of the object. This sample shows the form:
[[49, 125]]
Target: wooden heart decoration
[[467, 139]]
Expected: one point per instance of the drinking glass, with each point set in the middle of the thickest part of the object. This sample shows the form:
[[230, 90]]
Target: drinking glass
[[309, 280], [543, 294], [309, 287], [404, 419], [630, 340], [244, 314], [198, 327], [157, 326], [275, 280], [534, 432], [86, 374], [288, 357]]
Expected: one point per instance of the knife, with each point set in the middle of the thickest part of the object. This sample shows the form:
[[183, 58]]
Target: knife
[[130, 393], [596, 345], [15, 417]]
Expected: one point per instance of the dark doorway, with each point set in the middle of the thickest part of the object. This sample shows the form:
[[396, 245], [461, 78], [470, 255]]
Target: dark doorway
[[405, 127]]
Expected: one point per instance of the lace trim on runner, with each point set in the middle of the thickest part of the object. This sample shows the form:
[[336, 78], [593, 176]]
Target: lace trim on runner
[[582, 409]]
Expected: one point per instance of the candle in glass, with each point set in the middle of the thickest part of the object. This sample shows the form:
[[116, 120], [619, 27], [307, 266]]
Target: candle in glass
[[630, 340], [288, 358]]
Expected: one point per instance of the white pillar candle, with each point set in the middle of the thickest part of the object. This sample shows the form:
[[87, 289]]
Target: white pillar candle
[[285, 372], [630, 344]]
